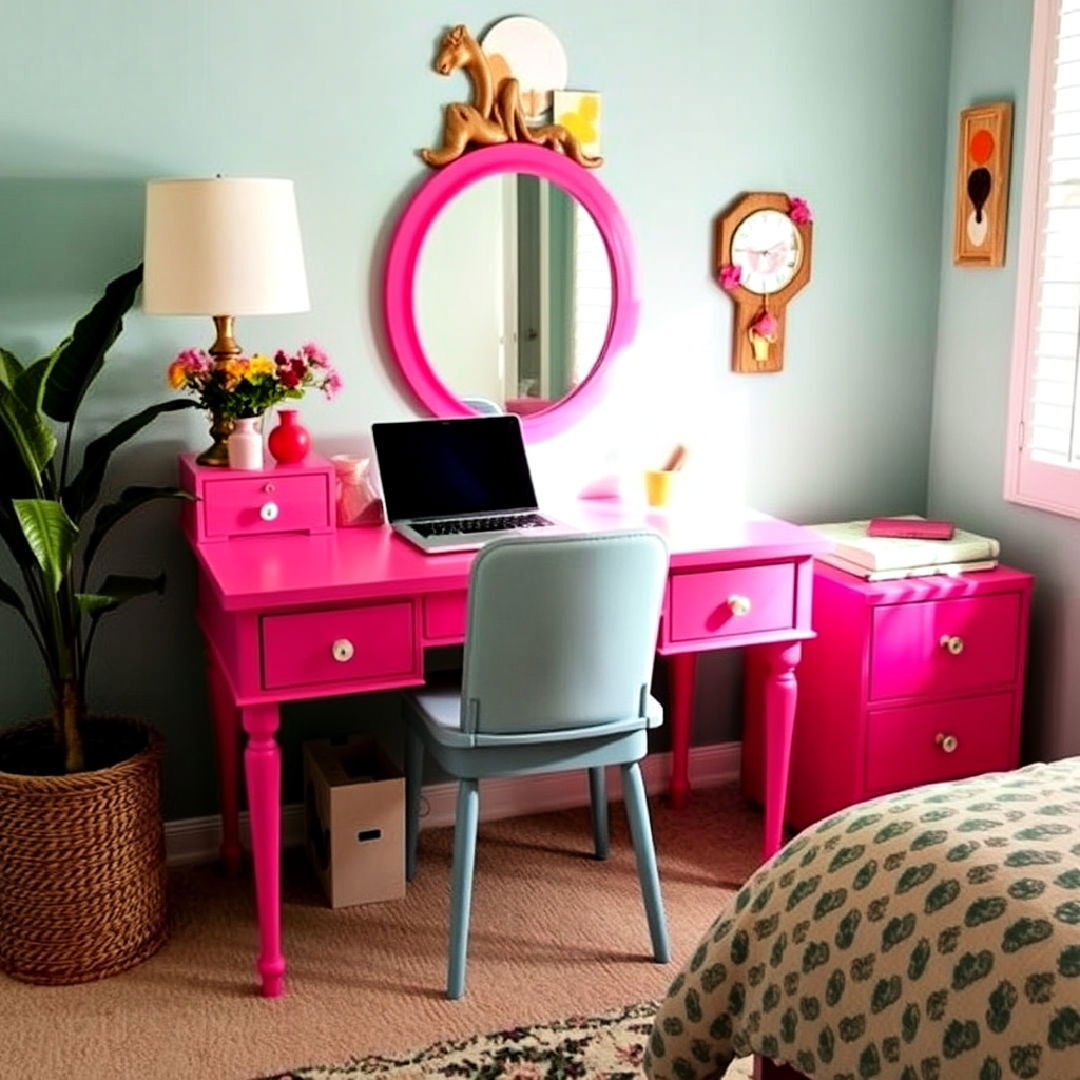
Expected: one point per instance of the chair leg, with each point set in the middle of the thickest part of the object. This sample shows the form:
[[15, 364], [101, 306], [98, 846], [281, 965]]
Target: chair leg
[[414, 780], [468, 814], [598, 795], [637, 811]]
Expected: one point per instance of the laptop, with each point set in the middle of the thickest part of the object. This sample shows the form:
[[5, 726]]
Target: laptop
[[455, 485]]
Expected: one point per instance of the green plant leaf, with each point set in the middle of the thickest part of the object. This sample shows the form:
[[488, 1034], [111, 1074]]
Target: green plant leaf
[[29, 386], [28, 433], [117, 589], [11, 532], [10, 368], [78, 358], [130, 499], [10, 597], [81, 494], [50, 534]]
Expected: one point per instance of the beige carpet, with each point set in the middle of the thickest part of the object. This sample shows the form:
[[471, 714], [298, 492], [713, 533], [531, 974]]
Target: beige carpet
[[554, 934]]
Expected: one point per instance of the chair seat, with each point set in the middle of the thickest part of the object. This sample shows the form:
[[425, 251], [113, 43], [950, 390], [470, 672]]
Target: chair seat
[[440, 709]]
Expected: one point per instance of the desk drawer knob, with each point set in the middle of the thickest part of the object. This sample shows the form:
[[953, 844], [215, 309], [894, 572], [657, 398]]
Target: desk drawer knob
[[953, 645], [342, 650], [948, 743], [739, 605], [268, 511]]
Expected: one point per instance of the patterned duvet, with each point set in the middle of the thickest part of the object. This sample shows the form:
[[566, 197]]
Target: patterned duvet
[[928, 935]]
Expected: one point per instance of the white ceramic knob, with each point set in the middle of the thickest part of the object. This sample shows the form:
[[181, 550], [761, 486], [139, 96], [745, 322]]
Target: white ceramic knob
[[268, 511], [948, 743], [739, 605], [952, 644], [342, 650]]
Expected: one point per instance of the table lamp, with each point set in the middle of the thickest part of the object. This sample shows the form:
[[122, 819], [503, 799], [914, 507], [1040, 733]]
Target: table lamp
[[222, 247]]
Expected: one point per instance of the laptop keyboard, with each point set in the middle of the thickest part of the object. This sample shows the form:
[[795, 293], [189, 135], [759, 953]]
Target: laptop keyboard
[[467, 526]]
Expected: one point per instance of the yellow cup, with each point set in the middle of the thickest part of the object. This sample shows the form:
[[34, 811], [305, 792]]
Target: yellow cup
[[660, 486]]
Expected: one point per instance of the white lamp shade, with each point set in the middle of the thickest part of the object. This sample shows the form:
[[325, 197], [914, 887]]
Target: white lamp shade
[[223, 246]]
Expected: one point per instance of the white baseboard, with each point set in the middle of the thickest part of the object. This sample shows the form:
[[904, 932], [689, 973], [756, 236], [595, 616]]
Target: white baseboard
[[196, 840]]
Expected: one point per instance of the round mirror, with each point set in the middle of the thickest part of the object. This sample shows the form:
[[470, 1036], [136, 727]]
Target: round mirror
[[513, 294], [509, 287]]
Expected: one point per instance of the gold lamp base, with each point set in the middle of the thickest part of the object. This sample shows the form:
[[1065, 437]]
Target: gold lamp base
[[221, 427], [217, 453]]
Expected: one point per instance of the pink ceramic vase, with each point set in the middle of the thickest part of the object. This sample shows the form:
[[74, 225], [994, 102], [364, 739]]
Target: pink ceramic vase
[[290, 441]]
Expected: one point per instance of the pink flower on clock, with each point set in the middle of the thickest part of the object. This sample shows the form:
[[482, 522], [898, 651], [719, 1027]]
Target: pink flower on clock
[[799, 211], [730, 276], [765, 325]]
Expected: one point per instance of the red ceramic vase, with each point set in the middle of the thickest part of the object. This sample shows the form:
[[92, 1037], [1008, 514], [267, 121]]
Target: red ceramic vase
[[290, 441]]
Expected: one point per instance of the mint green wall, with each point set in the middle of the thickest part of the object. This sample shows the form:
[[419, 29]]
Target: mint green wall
[[841, 101], [991, 42]]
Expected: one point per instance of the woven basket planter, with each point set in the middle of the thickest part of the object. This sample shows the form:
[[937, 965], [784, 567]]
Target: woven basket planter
[[82, 865]]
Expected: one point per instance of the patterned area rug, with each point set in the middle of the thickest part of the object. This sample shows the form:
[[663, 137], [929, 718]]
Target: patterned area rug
[[606, 1047]]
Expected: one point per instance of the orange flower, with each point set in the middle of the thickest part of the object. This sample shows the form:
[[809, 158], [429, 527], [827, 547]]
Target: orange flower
[[177, 375]]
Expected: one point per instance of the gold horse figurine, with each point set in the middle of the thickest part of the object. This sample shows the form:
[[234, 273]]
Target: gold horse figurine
[[495, 114]]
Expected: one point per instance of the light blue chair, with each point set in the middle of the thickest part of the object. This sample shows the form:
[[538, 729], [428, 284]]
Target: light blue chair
[[484, 406], [558, 659]]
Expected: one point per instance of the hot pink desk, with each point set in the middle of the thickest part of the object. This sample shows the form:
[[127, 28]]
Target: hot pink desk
[[304, 616]]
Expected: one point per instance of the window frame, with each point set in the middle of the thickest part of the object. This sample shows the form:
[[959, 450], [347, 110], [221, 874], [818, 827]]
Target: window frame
[[1051, 487]]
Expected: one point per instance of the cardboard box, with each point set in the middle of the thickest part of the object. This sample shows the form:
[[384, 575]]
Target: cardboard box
[[354, 798]]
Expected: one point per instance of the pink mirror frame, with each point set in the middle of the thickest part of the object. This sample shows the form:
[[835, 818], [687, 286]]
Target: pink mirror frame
[[399, 309]]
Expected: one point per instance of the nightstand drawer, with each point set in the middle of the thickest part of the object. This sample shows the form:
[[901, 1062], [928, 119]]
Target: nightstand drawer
[[924, 744], [373, 641], [943, 646], [728, 603]]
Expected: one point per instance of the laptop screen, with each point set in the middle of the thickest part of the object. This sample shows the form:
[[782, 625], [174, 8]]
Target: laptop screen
[[443, 468]]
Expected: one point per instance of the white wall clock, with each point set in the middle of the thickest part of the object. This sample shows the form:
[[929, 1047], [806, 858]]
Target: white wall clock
[[763, 245]]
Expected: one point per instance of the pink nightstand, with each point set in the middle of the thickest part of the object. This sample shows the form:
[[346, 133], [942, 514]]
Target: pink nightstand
[[908, 682]]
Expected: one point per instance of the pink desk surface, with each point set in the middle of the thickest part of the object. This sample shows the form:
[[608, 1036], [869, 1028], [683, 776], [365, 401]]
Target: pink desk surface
[[738, 579], [371, 561]]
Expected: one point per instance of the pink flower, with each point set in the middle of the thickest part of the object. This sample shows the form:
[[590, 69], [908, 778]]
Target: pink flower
[[314, 355], [799, 211], [333, 384], [195, 361], [765, 325], [730, 276]]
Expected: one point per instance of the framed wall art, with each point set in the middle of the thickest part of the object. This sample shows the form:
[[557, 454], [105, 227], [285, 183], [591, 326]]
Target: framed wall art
[[982, 185]]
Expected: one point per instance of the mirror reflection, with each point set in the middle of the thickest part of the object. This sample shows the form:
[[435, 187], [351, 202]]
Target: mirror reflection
[[513, 294]]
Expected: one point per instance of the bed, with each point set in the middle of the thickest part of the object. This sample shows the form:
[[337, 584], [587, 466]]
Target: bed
[[932, 934]]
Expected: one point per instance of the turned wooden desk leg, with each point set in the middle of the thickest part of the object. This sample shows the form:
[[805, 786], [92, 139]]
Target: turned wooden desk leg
[[682, 667], [262, 763], [778, 695], [227, 745]]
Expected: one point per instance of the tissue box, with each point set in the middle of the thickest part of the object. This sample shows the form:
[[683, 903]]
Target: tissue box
[[354, 807]]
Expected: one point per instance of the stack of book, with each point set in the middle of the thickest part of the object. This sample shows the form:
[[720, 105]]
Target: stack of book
[[884, 558]]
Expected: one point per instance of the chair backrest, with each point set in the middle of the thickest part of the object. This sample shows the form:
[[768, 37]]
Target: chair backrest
[[484, 406], [562, 631]]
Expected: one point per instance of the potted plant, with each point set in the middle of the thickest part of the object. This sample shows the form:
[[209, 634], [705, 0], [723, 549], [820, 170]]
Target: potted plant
[[82, 890]]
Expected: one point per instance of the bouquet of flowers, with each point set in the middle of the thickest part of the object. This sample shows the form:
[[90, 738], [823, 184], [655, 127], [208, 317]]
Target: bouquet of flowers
[[247, 386]]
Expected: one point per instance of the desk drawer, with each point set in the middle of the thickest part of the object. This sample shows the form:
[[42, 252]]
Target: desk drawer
[[444, 616], [909, 746], [942, 646], [726, 603], [265, 504], [373, 641]]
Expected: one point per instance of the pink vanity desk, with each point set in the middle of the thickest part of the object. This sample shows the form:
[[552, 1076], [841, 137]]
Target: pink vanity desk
[[291, 617]]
